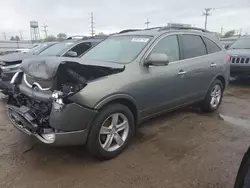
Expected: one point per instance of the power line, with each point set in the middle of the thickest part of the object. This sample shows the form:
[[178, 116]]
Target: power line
[[92, 32], [147, 22], [206, 14], [45, 30]]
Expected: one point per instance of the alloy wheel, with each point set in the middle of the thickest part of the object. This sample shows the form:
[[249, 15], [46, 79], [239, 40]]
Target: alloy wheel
[[215, 96], [114, 132]]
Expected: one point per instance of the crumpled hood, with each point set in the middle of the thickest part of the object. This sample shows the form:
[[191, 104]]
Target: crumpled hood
[[13, 57], [47, 67], [239, 52]]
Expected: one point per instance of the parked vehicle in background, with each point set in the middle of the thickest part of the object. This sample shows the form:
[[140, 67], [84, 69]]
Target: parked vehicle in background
[[25, 50], [226, 42], [239, 53], [73, 47], [100, 99], [22, 50], [10, 63]]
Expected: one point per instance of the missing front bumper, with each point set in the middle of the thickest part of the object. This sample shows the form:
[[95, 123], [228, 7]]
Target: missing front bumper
[[69, 126]]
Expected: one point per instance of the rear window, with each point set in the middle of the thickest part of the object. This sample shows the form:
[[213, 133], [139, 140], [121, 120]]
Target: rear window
[[211, 46], [192, 46]]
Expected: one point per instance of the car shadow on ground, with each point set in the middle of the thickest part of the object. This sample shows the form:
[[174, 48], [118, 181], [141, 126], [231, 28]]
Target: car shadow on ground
[[50, 154], [241, 82]]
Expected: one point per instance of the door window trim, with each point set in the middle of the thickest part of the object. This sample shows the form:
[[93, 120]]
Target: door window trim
[[145, 55], [213, 42]]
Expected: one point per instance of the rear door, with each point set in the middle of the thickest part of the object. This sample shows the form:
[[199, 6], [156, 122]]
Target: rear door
[[216, 58], [195, 67]]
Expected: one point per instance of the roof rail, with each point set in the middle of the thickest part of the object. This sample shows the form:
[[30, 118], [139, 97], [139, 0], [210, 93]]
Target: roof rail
[[184, 28], [128, 30], [152, 28]]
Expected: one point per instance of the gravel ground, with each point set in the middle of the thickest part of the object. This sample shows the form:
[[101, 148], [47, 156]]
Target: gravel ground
[[185, 148]]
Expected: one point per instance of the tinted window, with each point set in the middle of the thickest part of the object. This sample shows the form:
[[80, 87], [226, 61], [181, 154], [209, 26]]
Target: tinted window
[[81, 48], [193, 46], [211, 46], [169, 46], [120, 49]]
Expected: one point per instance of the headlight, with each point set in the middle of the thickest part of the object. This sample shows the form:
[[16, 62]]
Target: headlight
[[10, 67]]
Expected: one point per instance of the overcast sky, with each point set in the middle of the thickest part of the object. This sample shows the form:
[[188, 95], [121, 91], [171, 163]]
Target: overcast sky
[[73, 16]]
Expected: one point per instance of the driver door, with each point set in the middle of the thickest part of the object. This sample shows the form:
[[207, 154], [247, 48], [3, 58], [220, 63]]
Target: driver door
[[163, 84]]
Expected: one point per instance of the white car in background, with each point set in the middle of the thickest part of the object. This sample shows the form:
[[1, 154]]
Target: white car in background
[[25, 50]]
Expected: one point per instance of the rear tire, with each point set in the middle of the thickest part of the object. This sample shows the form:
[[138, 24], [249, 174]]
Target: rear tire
[[214, 97], [111, 131]]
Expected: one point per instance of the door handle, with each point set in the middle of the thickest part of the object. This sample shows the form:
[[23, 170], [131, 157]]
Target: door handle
[[213, 65], [182, 72]]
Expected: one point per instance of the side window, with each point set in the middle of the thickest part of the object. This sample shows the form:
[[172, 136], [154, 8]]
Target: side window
[[81, 48], [169, 46], [193, 46], [211, 46]]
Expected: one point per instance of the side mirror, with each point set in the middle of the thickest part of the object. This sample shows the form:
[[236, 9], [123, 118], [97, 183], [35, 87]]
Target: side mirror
[[71, 54], [156, 59]]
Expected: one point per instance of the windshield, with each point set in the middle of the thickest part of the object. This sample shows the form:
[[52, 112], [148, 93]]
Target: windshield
[[56, 49], [243, 43], [38, 48], [120, 49]]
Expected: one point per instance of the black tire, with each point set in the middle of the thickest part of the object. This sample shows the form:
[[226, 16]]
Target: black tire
[[206, 106], [93, 143]]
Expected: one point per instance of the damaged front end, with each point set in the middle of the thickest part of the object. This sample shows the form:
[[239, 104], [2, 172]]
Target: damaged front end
[[41, 103]]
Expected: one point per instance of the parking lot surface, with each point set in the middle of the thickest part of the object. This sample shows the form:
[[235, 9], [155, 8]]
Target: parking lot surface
[[185, 148]]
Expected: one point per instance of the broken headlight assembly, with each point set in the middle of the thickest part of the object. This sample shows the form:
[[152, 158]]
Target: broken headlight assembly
[[10, 67]]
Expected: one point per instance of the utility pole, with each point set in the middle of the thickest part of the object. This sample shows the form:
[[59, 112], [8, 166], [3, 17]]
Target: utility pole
[[221, 30], [21, 35], [147, 23], [92, 32], [206, 14], [240, 32], [45, 30], [4, 35]]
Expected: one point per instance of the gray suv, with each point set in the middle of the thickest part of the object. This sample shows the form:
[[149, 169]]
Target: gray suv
[[100, 99]]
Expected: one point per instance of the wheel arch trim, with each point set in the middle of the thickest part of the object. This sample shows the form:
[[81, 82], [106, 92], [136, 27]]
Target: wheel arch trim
[[111, 98]]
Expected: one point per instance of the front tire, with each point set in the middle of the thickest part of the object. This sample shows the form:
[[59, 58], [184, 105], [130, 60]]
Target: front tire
[[214, 96], [111, 131]]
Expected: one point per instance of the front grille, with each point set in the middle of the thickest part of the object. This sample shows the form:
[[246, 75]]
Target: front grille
[[45, 84], [240, 60]]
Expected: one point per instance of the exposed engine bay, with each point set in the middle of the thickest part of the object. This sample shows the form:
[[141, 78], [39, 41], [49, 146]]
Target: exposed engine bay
[[41, 87]]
